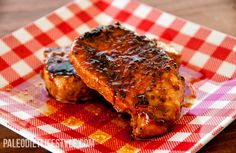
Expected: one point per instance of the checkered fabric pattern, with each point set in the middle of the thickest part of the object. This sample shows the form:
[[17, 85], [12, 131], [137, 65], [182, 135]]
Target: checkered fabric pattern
[[26, 109]]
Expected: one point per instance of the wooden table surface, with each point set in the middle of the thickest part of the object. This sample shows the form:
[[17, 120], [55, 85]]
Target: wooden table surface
[[216, 14]]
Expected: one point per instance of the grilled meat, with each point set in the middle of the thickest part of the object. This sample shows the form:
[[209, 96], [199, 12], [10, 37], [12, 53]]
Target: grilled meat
[[60, 78], [134, 74], [171, 52]]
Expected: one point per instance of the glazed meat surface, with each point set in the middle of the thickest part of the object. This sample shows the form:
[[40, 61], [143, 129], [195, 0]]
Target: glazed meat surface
[[171, 52], [60, 78], [134, 74]]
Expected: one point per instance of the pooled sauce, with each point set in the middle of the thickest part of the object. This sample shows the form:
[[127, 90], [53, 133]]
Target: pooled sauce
[[58, 62]]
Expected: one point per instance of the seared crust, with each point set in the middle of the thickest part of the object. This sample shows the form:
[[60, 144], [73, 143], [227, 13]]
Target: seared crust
[[134, 74], [60, 78], [170, 51]]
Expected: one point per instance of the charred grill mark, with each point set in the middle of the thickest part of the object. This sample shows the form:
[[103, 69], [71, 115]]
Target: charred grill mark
[[92, 33], [90, 49], [99, 30], [122, 93], [142, 100]]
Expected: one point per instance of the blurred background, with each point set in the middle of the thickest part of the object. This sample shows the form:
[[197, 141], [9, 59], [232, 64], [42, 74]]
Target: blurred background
[[216, 14]]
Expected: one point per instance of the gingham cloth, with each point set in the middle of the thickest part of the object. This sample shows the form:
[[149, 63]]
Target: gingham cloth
[[26, 109]]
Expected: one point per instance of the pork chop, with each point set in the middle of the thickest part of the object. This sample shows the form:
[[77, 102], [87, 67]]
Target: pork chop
[[134, 74], [60, 78]]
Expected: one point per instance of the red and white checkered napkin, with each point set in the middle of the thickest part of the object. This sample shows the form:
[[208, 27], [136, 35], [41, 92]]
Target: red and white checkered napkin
[[94, 126]]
